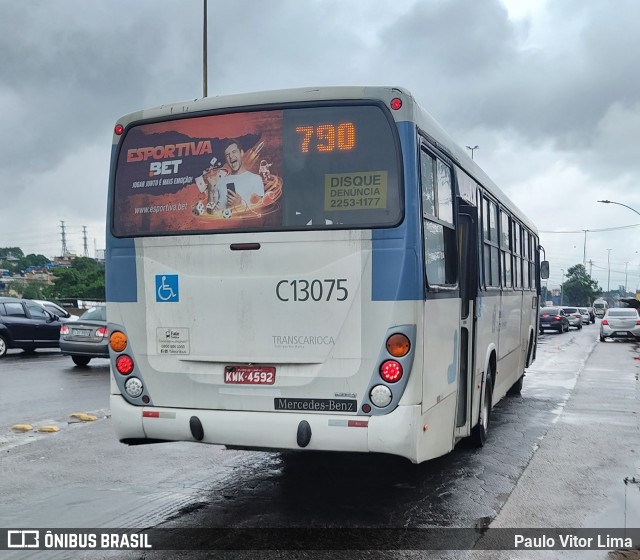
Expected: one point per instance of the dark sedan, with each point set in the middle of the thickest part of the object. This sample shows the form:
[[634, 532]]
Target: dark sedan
[[86, 338], [27, 325], [553, 318]]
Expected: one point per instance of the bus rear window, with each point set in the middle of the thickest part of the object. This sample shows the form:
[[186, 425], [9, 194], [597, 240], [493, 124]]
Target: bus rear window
[[296, 168]]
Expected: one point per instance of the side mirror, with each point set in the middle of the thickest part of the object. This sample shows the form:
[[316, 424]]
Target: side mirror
[[544, 270], [52, 317]]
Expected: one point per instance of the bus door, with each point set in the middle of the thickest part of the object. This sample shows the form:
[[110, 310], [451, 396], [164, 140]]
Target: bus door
[[468, 278]]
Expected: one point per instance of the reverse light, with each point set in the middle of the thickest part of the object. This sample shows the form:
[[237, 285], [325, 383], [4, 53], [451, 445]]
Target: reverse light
[[133, 387], [398, 345], [391, 371], [381, 396], [124, 364], [64, 330], [118, 341], [605, 322]]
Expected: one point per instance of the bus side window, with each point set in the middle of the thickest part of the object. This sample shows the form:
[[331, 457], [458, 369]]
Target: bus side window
[[437, 214]]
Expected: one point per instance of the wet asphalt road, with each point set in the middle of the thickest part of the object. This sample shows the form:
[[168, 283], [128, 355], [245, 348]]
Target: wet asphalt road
[[81, 477]]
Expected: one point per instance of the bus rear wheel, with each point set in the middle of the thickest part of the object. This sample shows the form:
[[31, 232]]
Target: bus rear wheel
[[480, 432]]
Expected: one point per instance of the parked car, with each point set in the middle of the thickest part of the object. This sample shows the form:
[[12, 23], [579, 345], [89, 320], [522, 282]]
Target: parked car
[[620, 323], [586, 318], [552, 318], [61, 312], [86, 338], [27, 325], [574, 316]]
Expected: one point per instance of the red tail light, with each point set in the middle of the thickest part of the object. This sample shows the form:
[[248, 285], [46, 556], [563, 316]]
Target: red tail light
[[124, 364], [605, 322], [545, 314], [638, 322], [557, 317], [64, 330], [391, 371], [103, 332]]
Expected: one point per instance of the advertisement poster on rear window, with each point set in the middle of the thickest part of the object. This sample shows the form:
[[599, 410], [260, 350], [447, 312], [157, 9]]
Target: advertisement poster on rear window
[[200, 174]]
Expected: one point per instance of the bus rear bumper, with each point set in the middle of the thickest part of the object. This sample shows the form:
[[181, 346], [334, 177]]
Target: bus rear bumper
[[395, 433]]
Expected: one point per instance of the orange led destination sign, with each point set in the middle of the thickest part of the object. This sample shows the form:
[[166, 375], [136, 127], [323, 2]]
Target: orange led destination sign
[[327, 137]]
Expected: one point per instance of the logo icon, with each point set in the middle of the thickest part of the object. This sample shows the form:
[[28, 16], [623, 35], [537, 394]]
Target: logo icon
[[23, 539], [167, 287]]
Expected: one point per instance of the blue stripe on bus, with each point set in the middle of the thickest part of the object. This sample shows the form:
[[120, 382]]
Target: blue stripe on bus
[[120, 264], [121, 284], [397, 252]]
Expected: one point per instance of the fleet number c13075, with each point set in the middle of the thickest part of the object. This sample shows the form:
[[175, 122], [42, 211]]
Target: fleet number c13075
[[312, 290]]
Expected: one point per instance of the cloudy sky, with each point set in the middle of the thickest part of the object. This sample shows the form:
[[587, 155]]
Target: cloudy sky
[[548, 89]]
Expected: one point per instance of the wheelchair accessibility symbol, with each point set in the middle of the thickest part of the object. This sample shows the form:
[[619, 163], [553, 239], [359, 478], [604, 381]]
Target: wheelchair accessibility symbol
[[167, 287]]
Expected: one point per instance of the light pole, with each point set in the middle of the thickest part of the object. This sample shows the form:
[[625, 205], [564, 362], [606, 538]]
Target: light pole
[[618, 203], [205, 78], [608, 270], [472, 149]]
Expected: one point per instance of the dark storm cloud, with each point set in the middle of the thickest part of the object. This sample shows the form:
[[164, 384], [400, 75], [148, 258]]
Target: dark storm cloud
[[69, 69], [564, 84]]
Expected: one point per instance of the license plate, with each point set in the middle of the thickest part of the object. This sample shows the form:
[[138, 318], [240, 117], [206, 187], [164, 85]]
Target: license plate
[[621, 333], [250, 375], [81, 332]]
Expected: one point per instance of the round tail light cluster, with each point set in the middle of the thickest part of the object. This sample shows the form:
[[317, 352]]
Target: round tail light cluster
[[125, 365], [398, 346]]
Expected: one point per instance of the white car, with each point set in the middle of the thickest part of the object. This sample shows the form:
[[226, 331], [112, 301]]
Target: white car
[[54, 308], [574, 316], [620, 323], [586, 317]]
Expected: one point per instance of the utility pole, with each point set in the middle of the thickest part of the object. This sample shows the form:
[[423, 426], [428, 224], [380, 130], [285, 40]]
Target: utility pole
[[204, 51], [590, 266], [562, 287], [625, 278], [84, 237], [608, 270], [64, 239]]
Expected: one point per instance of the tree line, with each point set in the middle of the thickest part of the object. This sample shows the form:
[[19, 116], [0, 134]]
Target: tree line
[[82, 279]]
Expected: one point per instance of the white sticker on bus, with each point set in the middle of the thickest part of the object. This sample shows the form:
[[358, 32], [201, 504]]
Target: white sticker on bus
[[172, 340]]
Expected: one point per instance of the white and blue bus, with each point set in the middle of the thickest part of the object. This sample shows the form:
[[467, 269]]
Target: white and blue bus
[[317, 269]]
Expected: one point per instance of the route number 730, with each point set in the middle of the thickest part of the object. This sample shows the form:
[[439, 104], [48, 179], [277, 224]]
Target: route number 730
[[314, 290]]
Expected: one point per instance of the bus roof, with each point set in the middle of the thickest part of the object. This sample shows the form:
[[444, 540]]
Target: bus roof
[[410, 111]]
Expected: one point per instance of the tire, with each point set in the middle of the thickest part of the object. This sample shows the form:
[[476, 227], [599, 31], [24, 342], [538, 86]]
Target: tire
[[601, 338], [480, 432], [580, 327], [516, 388], [3, 347], [541, 331], [81, 361]]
